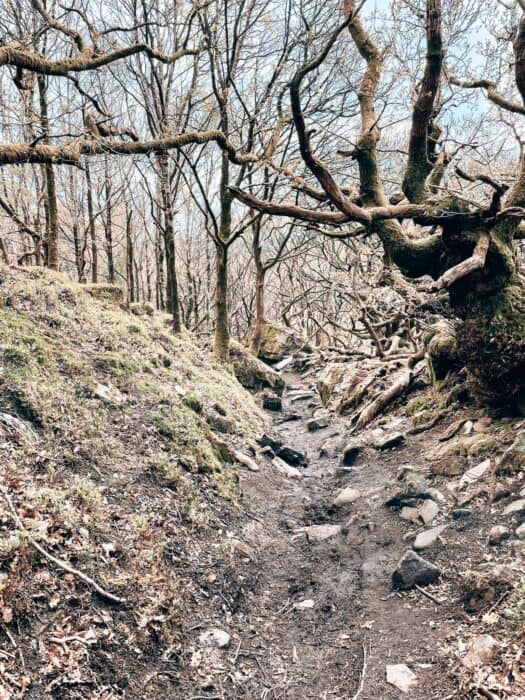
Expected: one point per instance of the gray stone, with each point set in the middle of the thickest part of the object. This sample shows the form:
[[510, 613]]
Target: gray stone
[[513, 459], [480, 652], [319, 533], [520, 532], [401, 677], [407, 494], [413, 570], [215, 637], [428, 538], [348, 495], [286, 469], [109, 394], [498, 534], [515, 508], [517, 547], [409, 514], [460, 514], [271, 402], [318, 423], [388, 441], [283, 364], [300, 395], [142, 309], [351, 452], [290, 417], [428, 511], [471, 476], [468, 427]]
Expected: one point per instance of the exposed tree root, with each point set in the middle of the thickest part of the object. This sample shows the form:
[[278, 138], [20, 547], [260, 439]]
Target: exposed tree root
[[429, 424], [375, 407]]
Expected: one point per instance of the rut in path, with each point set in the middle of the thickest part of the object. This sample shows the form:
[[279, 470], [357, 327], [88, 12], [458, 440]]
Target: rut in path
[[282, 647]]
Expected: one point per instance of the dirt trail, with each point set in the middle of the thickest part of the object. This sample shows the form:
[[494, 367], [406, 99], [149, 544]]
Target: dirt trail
[[279, 650]]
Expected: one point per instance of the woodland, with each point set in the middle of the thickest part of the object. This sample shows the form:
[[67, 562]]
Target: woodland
[[262, 349]]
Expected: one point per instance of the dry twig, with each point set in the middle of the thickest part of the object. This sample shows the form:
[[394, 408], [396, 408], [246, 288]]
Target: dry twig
[[58, 562]]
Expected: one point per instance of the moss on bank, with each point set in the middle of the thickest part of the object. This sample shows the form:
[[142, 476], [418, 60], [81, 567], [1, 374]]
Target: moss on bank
[[108, 458]]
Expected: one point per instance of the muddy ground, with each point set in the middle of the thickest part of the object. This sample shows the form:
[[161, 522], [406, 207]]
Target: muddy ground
[[339, 648], [303, 619]]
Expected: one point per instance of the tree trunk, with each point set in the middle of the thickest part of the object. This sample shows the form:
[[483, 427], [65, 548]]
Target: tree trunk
[[51, 239], [91, 223], [260, 318], [130, 271], [222, 330], [108, 224], [172, 290], [159, 263], [491, 339]]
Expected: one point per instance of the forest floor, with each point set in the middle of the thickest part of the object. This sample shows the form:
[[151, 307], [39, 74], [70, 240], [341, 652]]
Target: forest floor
[[320, 619], [118, 446]]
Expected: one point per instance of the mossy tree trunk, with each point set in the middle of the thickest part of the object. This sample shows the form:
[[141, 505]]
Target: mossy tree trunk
[[51, 208], [108, 222], [260, 277], [91, 223], [222, 243], [172, 287]]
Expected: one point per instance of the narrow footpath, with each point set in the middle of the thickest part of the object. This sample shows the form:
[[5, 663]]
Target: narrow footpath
[[318, 617]]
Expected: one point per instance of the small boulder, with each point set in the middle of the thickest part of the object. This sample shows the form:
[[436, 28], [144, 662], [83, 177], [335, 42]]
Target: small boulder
[[286, 469], [515, 508], [283, 364], [411, 515], [220, 423], [320, 533], [271, 401], [517, 547], [108, 393], [143, 308], [407, 494], [480, 651], [520, 532], [253, 373], [413, 570], [428, 511], [401, 677], [513, 459], [388, 441], [215, 637], [351, 452], [346, 496], [471, 476], [104, 291], [428, 538], [498, 534], [300, 395], [318, 422]]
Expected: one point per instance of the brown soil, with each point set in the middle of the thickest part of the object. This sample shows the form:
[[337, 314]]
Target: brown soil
[[279, 651], [247, 575]]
